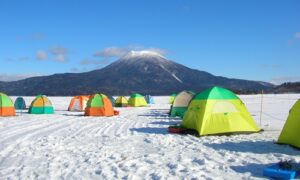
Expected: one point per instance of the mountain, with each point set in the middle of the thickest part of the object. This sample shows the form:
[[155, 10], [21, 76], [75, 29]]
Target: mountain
[[145, 72], [288, 88]]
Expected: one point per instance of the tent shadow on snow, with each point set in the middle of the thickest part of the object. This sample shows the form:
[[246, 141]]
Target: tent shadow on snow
[[256, 170], [166, 122], [257, 147], [151, 130], [156, 113], [155, 116], [79, 115], [159, 115]]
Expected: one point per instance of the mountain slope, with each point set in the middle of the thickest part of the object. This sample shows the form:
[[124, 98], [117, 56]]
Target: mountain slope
[[288, 88], [144, 72]]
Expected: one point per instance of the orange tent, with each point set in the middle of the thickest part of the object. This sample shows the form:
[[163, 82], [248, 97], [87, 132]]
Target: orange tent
[[6, 106], [99, 105], [78, 103]]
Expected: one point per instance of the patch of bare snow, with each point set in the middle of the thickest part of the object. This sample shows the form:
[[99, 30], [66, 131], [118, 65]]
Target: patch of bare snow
[[136, 144]]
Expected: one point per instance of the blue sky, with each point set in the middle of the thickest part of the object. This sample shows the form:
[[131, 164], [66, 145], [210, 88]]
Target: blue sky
[[250, 39]]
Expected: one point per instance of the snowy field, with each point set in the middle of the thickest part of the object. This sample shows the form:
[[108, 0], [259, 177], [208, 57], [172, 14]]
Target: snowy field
[[136, 144]]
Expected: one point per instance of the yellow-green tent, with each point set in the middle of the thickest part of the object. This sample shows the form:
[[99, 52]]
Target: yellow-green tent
[[218, 111], [137, 100], [290, 132], [121, 102]]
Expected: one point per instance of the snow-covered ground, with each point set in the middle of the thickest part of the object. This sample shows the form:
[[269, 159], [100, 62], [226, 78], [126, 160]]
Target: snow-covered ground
[[136, 144]]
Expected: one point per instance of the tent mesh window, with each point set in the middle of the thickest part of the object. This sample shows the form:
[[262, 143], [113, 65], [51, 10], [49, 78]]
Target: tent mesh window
[[224, 107]]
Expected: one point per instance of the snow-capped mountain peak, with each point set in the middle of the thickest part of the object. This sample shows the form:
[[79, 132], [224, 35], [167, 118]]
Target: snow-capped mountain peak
[[143, 54]]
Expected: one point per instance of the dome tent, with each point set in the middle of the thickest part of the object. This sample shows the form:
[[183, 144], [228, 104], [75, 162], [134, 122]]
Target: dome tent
[[121, 101], [20, 103], [41, 105], [218, 111], [172, 97], [6, 106], [181, 103], [149, 99], [99, 105], [137, 100], [290, 132], [78, 103]]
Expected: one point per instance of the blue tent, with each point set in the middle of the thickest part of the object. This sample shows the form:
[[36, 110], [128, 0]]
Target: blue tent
[[20, 103], [112, 100], [149, 99]]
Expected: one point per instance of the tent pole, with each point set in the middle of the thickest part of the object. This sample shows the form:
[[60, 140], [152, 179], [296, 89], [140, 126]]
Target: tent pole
[[261, 106]]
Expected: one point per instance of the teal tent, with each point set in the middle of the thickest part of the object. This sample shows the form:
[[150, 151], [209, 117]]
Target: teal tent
[[20, 103]]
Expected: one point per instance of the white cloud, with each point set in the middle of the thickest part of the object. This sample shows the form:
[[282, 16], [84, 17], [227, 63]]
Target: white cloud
[[60, 58], [157, 50], [118, 52], [283, 79], [15, 77], [41, 55], [59, 53]]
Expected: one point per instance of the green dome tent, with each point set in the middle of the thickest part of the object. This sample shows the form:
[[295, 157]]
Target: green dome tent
[[218, 111], [137, 100]]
